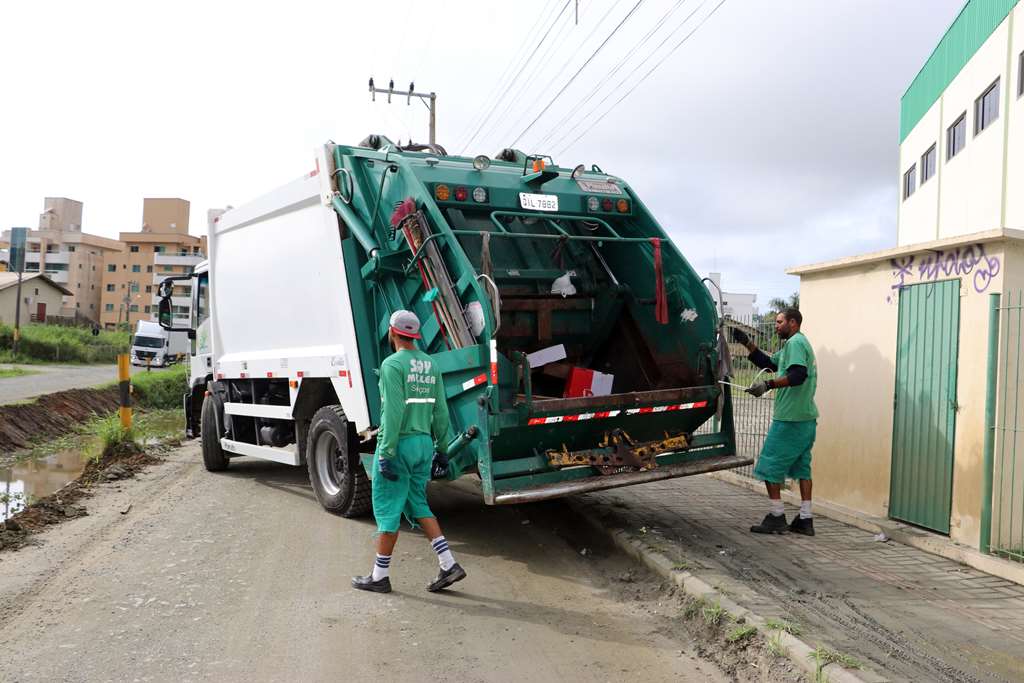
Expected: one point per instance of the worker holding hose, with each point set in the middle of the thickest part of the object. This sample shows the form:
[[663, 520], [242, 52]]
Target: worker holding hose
[[413, 435], [787, 447]]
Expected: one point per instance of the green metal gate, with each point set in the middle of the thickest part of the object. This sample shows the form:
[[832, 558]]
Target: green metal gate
[[924, 424]]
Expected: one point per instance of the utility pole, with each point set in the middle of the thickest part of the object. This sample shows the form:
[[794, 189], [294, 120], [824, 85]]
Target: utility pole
[[19, 243], [429, 100]]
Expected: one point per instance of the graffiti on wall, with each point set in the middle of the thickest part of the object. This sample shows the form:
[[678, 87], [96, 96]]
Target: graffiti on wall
[[970, 263]]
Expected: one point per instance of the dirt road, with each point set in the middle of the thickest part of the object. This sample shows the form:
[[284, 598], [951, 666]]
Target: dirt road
[[48, 379], [241, 576]]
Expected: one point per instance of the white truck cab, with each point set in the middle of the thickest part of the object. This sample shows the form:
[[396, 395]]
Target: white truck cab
[[150, 344]]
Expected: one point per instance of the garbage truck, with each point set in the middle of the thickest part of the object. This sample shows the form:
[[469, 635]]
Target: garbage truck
[[153, 345], [578, 348]]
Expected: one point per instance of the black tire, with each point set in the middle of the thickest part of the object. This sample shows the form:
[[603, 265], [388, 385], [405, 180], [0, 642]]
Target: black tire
[[213, 455], [338, 478]]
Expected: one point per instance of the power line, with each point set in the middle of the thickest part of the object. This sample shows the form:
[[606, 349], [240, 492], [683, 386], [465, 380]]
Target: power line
[[518, 74], [607, 78], [519, 55], [547, 88], [618, 86], [515, 95], [578, 71], [645, 76]]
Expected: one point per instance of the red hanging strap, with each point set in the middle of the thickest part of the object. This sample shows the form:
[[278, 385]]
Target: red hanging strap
[[660, 300]]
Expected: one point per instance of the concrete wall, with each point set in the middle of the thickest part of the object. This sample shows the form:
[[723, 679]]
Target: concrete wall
[[850, 316], [968, 192], [165, 215], [61, 213]]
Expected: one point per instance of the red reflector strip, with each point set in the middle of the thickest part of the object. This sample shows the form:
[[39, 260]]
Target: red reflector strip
[[475, 382], [346, 373], [270, 374], [603, 414], [494, 361], [299, 373], [242, 375]]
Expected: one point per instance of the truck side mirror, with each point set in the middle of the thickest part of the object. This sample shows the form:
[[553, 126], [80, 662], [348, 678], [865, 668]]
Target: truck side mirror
[[165, 318]]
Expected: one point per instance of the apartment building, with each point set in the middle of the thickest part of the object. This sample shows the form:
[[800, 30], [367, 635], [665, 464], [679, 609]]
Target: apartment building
[[68, 256], [160, 249]]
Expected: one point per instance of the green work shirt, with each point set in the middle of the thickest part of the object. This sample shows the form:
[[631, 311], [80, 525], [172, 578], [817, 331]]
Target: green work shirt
[[412, 401], [796, 404]]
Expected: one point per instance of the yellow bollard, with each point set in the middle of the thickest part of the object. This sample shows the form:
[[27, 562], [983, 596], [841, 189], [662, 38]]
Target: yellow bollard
[[125, 387]]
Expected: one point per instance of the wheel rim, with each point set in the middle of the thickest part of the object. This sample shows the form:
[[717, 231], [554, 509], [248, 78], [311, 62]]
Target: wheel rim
[[330, 463]]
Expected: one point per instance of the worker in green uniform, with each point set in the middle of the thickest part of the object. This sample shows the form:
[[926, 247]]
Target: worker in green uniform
[[414, 428], [787, 447]]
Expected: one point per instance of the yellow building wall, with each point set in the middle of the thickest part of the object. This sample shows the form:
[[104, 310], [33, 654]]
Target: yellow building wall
[[851, 317]]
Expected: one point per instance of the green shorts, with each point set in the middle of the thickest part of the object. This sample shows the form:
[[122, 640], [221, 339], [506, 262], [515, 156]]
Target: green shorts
[[786, 453], [407, 495]]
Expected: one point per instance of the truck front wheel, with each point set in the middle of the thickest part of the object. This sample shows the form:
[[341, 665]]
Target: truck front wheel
[[213, 455], [337, 476]]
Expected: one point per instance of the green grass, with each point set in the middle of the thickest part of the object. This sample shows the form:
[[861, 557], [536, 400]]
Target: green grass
[[740, 633], [16, 372], [160, 390], [42, 343], [779, 625], [712, 614], [823, 656], [775, 646]]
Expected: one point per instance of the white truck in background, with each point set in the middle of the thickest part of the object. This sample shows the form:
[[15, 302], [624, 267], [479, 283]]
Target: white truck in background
[[155, 346]]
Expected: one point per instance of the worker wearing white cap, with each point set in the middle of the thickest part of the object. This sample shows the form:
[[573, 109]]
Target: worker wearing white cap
[[414, 424]]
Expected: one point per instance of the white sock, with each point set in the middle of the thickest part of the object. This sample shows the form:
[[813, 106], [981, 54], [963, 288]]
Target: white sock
[[778, 510], [444, 555], [381, 567], [805, 509]]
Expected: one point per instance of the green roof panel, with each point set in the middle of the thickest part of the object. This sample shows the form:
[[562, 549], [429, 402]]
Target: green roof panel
[[971, 28]]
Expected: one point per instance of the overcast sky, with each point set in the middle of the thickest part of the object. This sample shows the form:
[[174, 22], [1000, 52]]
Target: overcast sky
[[767, 139]]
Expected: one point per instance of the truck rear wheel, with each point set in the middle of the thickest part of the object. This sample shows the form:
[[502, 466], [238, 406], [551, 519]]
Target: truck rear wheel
[[213, 455], [337, 476]]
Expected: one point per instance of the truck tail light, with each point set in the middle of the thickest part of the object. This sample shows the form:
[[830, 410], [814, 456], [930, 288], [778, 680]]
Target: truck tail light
[[442, 193], [607, 204], [622, 206], [461, 194], [480, 195]]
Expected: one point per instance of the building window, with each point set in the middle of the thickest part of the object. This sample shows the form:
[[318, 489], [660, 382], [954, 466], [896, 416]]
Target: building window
[[79, 266], [134, 248], [149, 289], [37, 291], [108, 307], [910, 181], [158, 248], [111, 268], [1020, 75], [134, 308], [149, 269], [986, 108], [33, 267], [136, 268], [147, 309], [91, 307], [71, 249], [79, 285], [928, 164], [110, 288], [78, 305], [956, 136]]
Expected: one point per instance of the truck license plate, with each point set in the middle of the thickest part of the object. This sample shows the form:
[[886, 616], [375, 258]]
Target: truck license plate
[[538, 202]]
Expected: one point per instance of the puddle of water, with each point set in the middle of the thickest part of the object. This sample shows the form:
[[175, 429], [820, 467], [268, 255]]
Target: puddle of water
[[33, 479]]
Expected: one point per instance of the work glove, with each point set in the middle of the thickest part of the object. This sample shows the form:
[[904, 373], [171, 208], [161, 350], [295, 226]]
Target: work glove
[[757, 389], [384, 467], [439, 468], [739, 336]]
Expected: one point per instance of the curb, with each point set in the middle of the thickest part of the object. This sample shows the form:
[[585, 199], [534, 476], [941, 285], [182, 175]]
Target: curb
[[897, 531], [797, 651]]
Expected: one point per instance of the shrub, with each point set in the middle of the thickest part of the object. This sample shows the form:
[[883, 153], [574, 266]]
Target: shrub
[[162, 389], [60, 344]]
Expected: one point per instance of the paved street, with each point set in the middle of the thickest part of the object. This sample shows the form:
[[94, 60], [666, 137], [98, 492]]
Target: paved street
[[906, 614], [47, 379], [241, 576]]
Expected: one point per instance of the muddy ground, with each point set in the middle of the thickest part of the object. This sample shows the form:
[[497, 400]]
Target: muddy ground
[[23, 424]]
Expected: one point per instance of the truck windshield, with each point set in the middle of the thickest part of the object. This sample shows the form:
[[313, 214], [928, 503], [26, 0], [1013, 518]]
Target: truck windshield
[[149, 342]]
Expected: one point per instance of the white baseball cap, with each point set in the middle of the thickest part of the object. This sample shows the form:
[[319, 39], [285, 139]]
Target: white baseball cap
[[405, 323]]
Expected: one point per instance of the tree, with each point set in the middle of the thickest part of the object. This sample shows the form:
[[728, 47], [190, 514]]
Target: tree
[[777, 305]]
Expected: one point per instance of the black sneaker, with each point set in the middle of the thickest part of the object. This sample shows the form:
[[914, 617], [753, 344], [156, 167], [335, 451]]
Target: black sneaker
[[772, 524], [447, 577], [803, 526], [366, 583]]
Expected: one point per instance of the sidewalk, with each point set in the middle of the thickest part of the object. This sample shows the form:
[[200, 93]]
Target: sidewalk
[[904, 613]]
